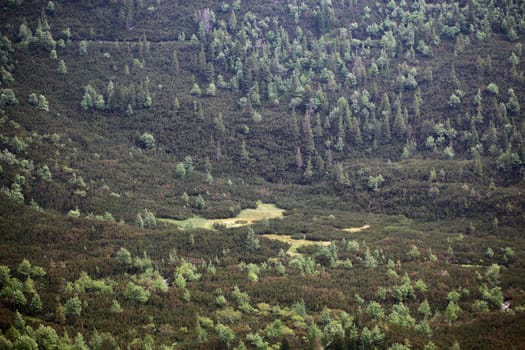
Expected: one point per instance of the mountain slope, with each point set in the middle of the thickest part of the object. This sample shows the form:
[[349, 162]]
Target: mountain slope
[[118, 115]]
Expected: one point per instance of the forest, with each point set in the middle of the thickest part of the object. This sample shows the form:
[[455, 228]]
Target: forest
[[279, 174]]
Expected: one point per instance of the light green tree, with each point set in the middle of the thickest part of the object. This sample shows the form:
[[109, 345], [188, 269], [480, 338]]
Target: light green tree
[[7, 97], [180, 170], [400, 316], [147, 140], [136, 293], [83, 47], [375, 310], [139, 220], [150, 221], [493, 295], [452, 312], [43, 105], [199, 202], [180, 281], [123, 257], [372, 337], [36, 305], [211, 90], [73, 307], [24, 268], [115, 307], [492, 274], [374, 182], [493, 89], [196, 90], [513, 106], [225, 334], [251, 241], [25, 342], [46, 337], [388, 41]]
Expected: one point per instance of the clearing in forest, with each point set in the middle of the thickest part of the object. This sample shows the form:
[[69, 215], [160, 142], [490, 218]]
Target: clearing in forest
[[295, 243], [356, 229], [245, 217]]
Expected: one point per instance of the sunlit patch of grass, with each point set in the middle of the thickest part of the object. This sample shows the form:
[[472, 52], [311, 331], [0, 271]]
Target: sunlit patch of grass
[[356, 229], [245, 217], [295, 243]]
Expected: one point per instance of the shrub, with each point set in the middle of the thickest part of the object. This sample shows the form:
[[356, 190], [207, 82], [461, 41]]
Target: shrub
[[180, 170], [195, 90], [136, 293], [374, 182], [147, 140], [43, 105], [493, 88], [73, 307], [7, 97]]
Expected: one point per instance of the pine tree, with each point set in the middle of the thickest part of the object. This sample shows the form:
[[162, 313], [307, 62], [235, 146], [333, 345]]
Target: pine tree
[[36, 304], [175, 61], [149, 219], [298, 158], [219, 123], [354, 130], [400, 124], [43, 105], [418, 102], [308, 172], [196, 90], [244, 152], [199, 202], [139, 220], [110, 91], [308, 135], [62, 68], [513, 106], [211, 90]]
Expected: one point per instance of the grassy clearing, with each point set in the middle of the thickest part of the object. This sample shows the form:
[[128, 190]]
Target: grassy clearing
[[264, 211], [295, 243], [356, 229], [298, 243]]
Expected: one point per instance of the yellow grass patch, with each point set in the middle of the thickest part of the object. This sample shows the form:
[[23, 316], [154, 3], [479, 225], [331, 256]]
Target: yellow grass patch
[[245, 217], [295, 243], [356, 229]]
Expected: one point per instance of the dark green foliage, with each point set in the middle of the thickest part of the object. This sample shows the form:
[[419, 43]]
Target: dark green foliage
[[7, 97]]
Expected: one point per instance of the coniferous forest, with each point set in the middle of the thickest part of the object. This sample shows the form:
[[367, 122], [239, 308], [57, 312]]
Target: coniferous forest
[[277, 174]]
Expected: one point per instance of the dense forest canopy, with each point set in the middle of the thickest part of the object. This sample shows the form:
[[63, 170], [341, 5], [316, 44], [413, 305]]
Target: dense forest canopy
[[277, 174]]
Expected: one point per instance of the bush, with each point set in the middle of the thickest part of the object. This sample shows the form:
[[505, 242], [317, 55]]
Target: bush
[[180, 170], [137, 294], [43, 105], [7, 97], [73, 307], [493, 88], [147, 140], [374, 182]]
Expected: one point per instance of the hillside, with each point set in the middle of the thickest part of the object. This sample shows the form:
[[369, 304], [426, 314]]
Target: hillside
[[132, 129]]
